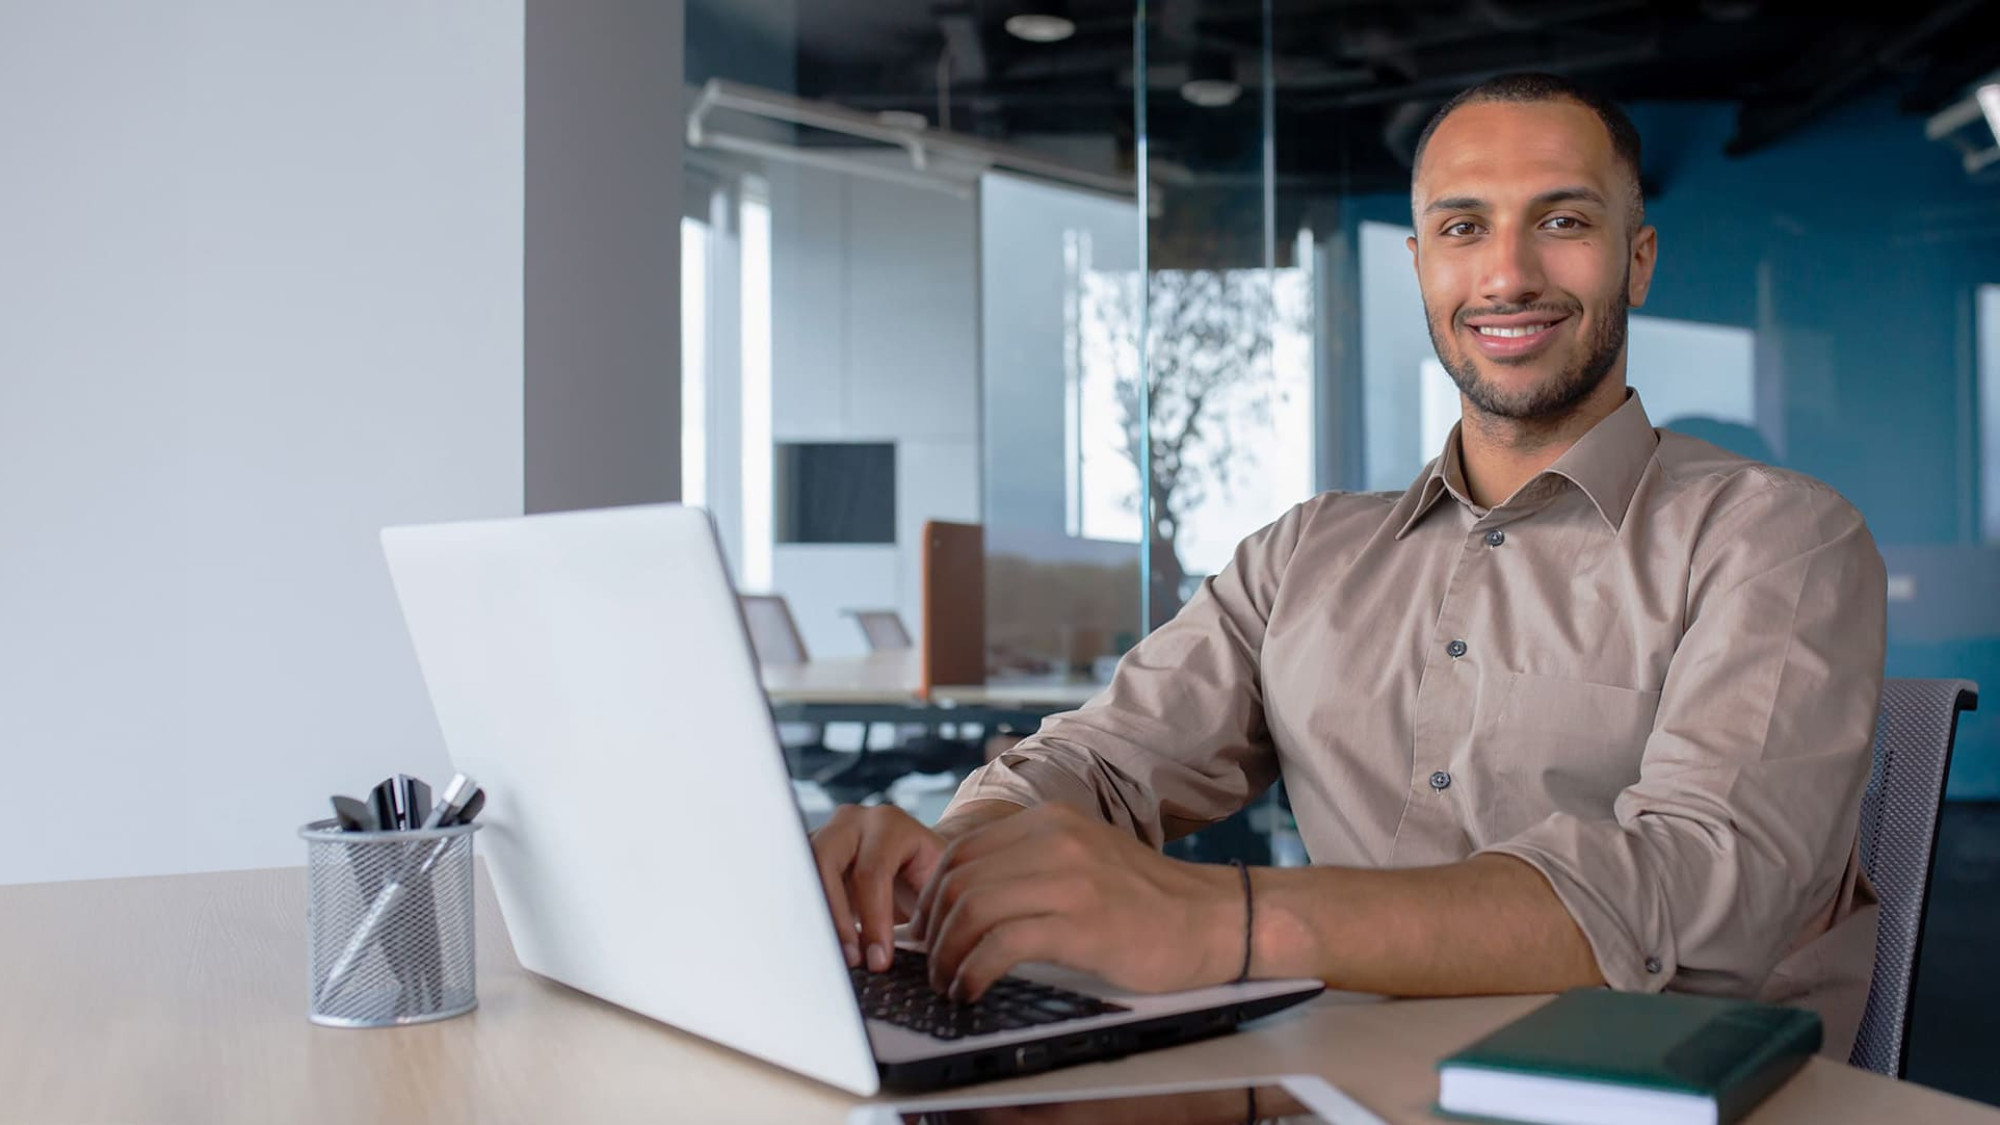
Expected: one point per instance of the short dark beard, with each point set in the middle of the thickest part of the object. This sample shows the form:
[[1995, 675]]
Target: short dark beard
[[1557, 398]]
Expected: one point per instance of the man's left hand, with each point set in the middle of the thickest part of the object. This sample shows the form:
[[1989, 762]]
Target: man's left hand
[[1051, 884]]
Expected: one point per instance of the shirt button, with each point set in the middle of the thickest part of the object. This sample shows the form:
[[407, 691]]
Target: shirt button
[[1495, 537], [1455, 649], [1440, 780], [1652, 964]]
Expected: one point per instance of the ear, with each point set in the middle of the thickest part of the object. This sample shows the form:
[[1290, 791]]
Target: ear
[[1645, 253], [1411, 242]]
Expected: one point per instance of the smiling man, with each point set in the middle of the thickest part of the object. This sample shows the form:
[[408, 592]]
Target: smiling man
[[1588, 703]]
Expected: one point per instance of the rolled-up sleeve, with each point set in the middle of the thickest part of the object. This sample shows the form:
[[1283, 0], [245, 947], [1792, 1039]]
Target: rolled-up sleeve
[[1739, 830], [1178, 739]]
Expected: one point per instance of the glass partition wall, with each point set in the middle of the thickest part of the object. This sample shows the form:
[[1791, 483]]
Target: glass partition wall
[[1119, 282], [1824, 300]]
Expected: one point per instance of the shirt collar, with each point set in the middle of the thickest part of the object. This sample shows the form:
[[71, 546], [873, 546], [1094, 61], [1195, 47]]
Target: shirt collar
[[1605, 463]]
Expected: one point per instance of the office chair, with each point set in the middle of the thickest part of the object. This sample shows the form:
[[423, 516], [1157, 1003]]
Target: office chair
[[774, 636], [1899, 823], [775, 639], [883, 628]]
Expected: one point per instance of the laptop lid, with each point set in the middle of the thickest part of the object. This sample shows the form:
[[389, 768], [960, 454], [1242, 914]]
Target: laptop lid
[[591, 670]]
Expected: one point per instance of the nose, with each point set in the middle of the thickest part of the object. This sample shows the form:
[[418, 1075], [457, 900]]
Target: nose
[[1511, 272]]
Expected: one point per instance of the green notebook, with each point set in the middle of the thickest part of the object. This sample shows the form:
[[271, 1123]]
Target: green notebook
[[1592, 1055]]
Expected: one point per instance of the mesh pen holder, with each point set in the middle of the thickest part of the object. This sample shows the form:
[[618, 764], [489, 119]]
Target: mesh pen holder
[[388, 925]]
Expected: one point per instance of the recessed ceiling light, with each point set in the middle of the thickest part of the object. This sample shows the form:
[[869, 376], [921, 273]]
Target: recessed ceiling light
[[1040, 27], [1211, 93], [1211, 81]]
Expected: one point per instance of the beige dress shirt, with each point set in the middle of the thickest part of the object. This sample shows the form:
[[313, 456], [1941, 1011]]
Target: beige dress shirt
[[1652, 674]]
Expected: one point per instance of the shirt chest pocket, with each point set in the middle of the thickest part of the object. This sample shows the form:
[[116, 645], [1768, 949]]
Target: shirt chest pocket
[[1560, 745]]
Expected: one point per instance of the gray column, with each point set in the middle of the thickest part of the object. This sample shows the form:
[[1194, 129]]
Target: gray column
[[602, 242]]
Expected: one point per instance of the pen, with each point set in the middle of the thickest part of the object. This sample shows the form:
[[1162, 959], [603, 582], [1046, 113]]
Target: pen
[[454, 798]]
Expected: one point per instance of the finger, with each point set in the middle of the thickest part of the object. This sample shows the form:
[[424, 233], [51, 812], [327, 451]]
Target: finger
[[833, 854], [984, 840], [920, 913], [1045, 937], [999, 835], [1049, 838], [992, 900], [915, 875], [956, 879], [884, 853]]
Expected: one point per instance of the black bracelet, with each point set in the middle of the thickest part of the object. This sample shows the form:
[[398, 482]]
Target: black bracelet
[[1250, 1115], [1249, 916]]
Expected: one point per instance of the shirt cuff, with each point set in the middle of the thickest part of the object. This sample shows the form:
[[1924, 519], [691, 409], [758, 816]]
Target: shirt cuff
[[1631, 937]]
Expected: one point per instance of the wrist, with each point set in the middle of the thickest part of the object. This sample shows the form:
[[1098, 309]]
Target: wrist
[[1286, 943], [1222, 924]]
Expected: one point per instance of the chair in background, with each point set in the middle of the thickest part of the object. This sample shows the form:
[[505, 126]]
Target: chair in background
[[883, 628], [884, 631], [1899, 825], [776, 641], [774, 636]]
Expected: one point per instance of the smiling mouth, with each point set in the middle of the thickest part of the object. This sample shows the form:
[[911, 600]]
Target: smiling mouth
[[1515, 331], [1515, 343]]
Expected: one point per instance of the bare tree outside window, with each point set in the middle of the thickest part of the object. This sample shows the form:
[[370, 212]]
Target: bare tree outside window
[[1211, 385]]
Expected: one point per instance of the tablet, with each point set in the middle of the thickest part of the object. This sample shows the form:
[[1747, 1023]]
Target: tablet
[[1291, 1099]]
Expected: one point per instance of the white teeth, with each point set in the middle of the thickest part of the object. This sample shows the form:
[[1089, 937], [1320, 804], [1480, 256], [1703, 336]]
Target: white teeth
[[1510, 333]]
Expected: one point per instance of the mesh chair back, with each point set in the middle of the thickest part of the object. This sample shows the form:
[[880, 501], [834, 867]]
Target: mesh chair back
[[774, 636], [1899, 820], [883, 628]]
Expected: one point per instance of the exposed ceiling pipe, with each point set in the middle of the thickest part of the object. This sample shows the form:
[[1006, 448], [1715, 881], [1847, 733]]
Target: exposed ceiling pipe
[[963, 43], [834, 162], [944, 90], [1503, 15], [1451, 82], [962, 157], [1762, 123]]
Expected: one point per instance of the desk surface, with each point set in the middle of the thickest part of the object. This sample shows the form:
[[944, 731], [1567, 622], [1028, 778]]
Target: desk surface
[[182, 998], [892, 677]]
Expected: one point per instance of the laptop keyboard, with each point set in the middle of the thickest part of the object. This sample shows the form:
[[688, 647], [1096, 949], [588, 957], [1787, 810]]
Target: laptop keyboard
[[903, 996]]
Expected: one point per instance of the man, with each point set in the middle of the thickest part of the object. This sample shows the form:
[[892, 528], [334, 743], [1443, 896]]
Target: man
[[1590, 703]]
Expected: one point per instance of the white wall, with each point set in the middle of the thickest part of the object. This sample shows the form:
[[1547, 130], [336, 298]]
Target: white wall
[[260, 294], [875, 316]]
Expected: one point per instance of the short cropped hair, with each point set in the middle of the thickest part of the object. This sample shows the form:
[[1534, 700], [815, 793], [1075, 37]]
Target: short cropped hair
[[1535, 87]]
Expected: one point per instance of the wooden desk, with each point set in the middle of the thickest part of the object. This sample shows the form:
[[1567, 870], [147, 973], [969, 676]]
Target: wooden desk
[[183, 999], [880, 677]]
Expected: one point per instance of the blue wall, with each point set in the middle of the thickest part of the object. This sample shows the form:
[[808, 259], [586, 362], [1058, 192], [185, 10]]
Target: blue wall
[[1872, 241]]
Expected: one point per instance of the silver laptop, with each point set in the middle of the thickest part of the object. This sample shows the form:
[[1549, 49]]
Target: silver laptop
[[591, 670]]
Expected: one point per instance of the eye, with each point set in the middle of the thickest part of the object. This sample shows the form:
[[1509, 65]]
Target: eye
[[1565, 222], [1460, 229]]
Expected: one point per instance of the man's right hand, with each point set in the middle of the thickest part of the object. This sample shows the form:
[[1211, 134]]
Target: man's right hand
[[873, 862]]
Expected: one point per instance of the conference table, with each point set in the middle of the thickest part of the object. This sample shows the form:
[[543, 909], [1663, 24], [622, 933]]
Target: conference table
[[893, 679], [887, 687], [182, 998]]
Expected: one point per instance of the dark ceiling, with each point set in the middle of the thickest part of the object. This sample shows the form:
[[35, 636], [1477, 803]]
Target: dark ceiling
[[1356, 79]]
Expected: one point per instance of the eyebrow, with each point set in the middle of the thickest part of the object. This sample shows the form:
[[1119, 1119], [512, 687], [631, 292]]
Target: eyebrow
[[1552, 196]]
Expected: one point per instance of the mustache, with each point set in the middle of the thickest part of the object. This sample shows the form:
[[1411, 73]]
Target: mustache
[[1516, 310]]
